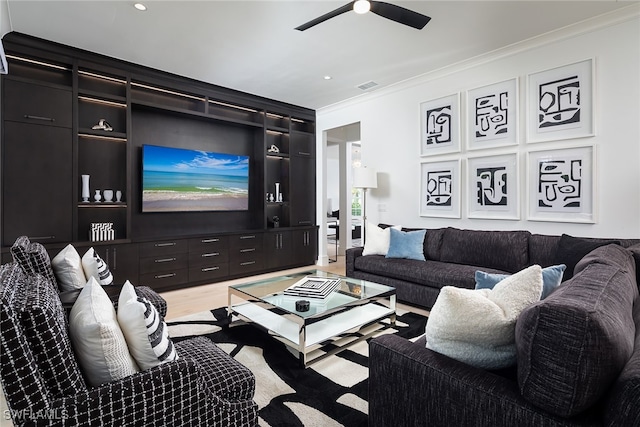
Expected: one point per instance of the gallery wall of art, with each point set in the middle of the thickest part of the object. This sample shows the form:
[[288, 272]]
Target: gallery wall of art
[[543, 136]]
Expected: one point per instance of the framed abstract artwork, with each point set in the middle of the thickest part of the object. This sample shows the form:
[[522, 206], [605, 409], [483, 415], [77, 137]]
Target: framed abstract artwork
[[492, 115], [440, 126], [493, 187], [560, 184], [440, 189], [560, 103]]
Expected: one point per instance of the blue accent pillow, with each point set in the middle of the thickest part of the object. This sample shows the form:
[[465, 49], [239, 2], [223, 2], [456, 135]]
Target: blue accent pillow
[[551, 279], [406, 244]]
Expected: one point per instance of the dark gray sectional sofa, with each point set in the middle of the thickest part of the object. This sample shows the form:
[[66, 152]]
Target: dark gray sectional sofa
[[453, 256]]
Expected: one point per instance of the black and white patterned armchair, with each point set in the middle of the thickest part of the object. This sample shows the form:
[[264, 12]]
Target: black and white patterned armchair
[[44, 384]]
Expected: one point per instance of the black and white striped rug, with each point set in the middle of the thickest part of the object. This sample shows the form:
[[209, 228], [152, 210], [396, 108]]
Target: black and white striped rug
[[331, 392]]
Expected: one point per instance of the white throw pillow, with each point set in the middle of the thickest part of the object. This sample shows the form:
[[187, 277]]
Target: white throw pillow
[[67, 267], [96, 337], [477, 327], [377, 239], [94, 266], [144, 329]]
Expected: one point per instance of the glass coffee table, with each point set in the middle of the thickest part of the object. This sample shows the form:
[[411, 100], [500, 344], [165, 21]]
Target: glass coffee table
[[356, 310]]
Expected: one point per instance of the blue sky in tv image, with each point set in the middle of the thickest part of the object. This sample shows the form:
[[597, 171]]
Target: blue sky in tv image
[[175, 179]]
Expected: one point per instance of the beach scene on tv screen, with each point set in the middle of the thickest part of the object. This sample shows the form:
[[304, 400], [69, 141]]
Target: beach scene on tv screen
[[175, 179]]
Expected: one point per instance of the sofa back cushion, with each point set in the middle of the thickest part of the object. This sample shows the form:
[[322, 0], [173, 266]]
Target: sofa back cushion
[[501, 250], [572, 346], [33, 258]]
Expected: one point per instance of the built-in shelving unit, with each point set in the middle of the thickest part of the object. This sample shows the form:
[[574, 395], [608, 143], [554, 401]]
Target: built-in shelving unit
[[86, 114]]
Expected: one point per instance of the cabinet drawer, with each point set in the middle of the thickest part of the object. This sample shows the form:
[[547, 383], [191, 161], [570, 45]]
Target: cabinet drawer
[[243, 241], [209, 257], [164, 247], [163, 263], [208, 272], [165, 279], [209, 244], [243, 265], [32, 103]]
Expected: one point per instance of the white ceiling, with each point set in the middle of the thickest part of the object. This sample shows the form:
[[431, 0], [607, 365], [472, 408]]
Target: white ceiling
[[252, 45]]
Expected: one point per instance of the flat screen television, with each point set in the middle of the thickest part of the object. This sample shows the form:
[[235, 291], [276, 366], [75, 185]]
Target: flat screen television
[[181, 180]]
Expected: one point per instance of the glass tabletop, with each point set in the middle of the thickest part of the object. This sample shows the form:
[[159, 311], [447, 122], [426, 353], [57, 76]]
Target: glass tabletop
[[350, 291]]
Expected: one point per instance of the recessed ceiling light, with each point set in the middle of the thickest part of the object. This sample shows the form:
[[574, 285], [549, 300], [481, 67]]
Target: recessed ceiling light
[[140, 6], [327, 77]]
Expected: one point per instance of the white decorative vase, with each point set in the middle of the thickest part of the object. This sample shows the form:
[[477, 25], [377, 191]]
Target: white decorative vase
[[118, 196], [278, 199], [108, 195], [85, 189], [97, 197]]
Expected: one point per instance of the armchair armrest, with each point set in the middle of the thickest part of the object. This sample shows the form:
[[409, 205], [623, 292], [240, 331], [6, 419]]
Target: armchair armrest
[[169, 394], [350, 258], [411, 385]]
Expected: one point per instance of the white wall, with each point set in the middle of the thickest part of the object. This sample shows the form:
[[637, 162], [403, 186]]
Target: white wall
[[390, 126], [5, 23]]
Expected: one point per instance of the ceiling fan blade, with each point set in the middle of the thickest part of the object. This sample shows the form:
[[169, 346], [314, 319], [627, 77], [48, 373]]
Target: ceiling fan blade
[[326, 16], [400, 14]]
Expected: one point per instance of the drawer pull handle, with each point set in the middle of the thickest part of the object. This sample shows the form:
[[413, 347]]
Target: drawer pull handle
[[204, 270], [164, 276], [209, 240], [164, 260], [46, 119], [304, 222], [211, 254], [247, 263], [247, 237], [304, 153], [242, 251], [42, 237], [162, 245]]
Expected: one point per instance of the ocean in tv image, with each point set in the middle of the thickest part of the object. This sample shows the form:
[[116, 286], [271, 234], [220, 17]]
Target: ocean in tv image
[[176, 179]]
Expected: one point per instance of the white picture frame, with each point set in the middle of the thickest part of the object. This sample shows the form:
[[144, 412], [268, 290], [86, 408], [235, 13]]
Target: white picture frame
[[440, 189], [440, 126], [560, 102], [561, 185], [492, 115], [493, 184]]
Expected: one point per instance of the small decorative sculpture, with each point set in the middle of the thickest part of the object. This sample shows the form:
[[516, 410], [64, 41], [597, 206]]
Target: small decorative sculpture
[[103, 125], [273, 149]]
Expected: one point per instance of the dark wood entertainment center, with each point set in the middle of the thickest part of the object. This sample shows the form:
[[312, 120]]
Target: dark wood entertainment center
[[54, 95]]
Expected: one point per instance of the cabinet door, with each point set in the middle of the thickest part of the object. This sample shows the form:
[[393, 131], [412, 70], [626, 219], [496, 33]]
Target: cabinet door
[[305, 245], [36, 104], [303, 191], [36, 183], [278, 249]]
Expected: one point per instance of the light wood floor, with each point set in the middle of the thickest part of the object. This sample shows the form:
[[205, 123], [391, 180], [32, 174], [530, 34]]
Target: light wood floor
[[206, 297]]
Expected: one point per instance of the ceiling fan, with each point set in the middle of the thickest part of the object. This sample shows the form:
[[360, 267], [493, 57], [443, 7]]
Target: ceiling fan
[[386, 10]]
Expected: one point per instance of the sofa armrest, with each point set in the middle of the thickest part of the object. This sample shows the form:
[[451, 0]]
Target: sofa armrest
[[172, 393], [411, 385], [350, 258]]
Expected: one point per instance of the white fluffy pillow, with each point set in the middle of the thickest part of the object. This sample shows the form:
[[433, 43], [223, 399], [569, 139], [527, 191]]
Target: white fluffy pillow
[[477, 327], [96, 337], [67, 267], [94, 266], [377, 239], [144, 329]]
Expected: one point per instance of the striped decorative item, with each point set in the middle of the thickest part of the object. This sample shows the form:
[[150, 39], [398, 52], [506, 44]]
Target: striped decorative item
[[94, 266]]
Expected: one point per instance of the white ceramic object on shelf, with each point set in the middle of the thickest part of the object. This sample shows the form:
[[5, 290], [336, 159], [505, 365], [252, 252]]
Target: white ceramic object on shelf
[[118, 196], [108, 195], [85, 189], [97, 197]]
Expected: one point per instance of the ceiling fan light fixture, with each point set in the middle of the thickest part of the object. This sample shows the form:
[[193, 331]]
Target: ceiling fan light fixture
[[361, 6]]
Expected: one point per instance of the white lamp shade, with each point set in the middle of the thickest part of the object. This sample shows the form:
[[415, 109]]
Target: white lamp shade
[[364, 177]]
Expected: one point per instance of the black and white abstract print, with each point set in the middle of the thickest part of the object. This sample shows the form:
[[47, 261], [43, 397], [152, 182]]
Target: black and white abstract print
[[439, 188], [560, 186], [559, 102], [493, 186], [492, 115], [440, 126]]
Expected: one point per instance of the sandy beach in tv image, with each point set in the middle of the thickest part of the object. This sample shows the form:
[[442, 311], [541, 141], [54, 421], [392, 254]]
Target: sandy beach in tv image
[[175, 179]]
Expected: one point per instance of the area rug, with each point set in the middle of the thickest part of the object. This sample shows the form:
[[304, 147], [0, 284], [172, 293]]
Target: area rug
[[331, 392]]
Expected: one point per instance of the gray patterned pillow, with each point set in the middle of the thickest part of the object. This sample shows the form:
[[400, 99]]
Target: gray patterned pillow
[[33, 258]]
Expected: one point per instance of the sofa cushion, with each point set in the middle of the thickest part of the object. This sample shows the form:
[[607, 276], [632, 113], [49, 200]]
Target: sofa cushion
[[572, 249], [635, 251], [94, 266], [39, 310], [97, 338], [477, 327], [551, 279], [406, 244], [432, 242], [67, 266], [144, 329], [614, 255], [33, 258], [377, 240], [574, 344], [501, 250]]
